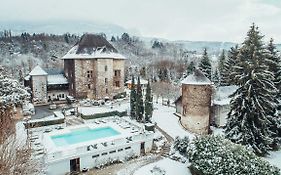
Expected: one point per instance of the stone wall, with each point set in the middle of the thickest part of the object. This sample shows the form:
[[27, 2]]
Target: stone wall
[[196, 102], [84, 85], [101, 83], [39, 88]]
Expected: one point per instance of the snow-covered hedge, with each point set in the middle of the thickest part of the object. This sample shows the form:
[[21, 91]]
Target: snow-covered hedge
[[216, 155]]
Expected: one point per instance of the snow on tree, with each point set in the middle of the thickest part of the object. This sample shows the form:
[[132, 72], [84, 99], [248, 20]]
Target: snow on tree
[[253, 119], [181, 144], [215, 155], [216, 78], [190, 68], [205, 65], [222, 60], [275, 67], [139, 103], [12, 94], [230, 62], [133, 99], [148, 108]]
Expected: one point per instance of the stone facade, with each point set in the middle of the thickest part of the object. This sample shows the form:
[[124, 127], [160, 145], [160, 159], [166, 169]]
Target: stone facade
[[196, 107], [196, 103], [39, 88], [95, 78]]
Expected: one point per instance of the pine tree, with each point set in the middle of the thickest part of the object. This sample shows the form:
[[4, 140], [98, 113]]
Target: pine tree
[[230, 62], [216, 78], [251, 119], [139, 102], [205, 65], [133, 99], [221, 61], [148, 104], [190, 68], [275, 68]]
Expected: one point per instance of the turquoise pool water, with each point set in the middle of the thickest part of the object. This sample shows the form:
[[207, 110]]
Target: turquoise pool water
[[83, 135]]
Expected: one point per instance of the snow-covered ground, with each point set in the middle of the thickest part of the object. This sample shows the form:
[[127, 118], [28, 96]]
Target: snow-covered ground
[[170, 167], [275, 158], [167, 121]]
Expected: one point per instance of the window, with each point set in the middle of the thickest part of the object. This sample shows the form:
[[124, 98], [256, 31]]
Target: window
[[105, 68], [106, 90], [127, 148], [117, 73], [89, 86], [89, 73], [119, 150], [105, 81], [62, 95], [104, 154], [94, 156], [111, 152], [117, 83]]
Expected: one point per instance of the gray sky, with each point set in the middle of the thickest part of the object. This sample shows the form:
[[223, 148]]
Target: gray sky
[[208, 20]]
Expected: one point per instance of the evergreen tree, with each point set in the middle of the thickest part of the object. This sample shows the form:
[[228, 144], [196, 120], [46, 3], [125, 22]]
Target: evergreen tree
[[190, 68], [133, 99], [148, 104], [225, 74], [221, 61], [139, 104], [251, 120], [205, 65], [216, 78], [275, 68]]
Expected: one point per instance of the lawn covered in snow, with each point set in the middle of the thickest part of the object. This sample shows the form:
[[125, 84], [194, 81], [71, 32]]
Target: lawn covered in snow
[[170, 167], [166, 120]]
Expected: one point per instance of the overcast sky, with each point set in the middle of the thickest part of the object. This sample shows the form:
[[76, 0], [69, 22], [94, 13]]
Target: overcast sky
[[205, 20]]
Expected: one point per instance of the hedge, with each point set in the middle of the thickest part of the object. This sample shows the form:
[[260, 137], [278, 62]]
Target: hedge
[[105, 114], [43, 123]]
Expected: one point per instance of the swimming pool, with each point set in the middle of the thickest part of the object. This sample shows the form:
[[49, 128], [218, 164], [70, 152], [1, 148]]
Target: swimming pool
[[82, 135]]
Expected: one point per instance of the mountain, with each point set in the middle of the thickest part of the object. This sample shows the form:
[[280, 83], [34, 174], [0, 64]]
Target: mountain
[[61, 27]]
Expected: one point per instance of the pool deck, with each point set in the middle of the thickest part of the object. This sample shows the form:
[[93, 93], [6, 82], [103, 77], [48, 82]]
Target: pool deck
[[128, 132]]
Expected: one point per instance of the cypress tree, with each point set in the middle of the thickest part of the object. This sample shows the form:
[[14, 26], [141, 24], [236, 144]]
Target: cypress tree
[[148, 104], [133, 99], [252, 118], [139, 102], [205, 65], [226, 78]]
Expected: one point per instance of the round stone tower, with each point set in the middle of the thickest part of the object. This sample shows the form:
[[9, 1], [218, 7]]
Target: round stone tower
[[196, 103]]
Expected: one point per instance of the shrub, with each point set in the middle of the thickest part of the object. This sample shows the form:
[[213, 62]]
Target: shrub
[[105, 114], [211, 155], [181, 145]]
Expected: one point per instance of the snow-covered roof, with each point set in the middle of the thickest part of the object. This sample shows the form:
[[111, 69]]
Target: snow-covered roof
[[57, 79], [142, 81], [222, 94], [197, 78], [93, 46], [37, 71]]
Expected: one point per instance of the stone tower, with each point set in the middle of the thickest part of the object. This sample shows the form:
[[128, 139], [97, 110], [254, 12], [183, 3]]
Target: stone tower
[[39, 85], [196, 103]]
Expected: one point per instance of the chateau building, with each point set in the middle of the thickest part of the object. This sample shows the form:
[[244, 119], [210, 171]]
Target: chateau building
[[92, 69]]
